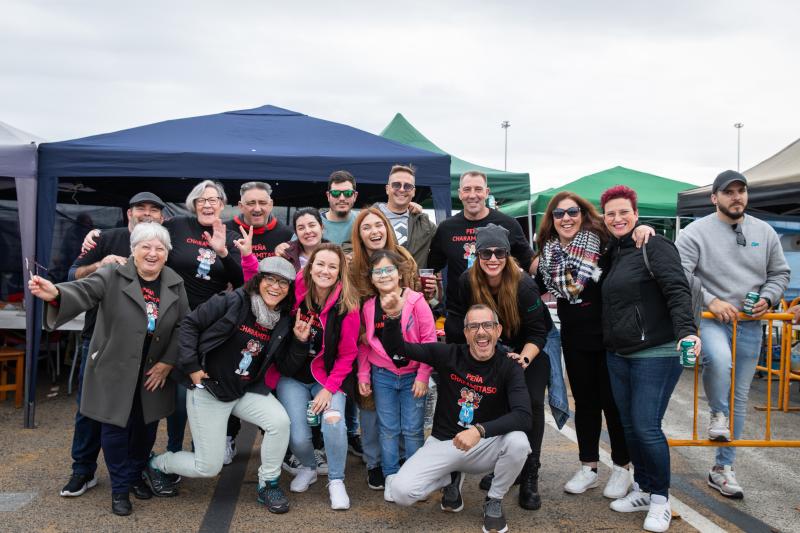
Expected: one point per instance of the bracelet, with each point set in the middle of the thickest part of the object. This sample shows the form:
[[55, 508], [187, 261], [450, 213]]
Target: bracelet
[[480, 429]]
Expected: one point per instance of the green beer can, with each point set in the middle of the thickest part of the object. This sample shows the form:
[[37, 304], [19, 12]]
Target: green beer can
[[688, 354], [311, 417], [750, 300]]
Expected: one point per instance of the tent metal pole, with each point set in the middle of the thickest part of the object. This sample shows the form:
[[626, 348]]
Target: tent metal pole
[[530, 222]]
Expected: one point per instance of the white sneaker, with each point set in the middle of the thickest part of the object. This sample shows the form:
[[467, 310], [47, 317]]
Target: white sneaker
[[304, 478], [635, 500], [322, 462], [619, 483], [719, 428], [658, 517], [340, 501], [230, 451], [582, 480], [724, 480], [387, 491]]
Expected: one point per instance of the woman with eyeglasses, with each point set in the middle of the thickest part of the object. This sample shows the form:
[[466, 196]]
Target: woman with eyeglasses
[[398, 384], [327, 310], [571, 241], [497, 281], [647, 313], [226, 346]]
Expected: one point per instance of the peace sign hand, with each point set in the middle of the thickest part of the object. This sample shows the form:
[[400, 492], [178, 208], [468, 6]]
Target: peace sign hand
[[245, 244], [302, 328]]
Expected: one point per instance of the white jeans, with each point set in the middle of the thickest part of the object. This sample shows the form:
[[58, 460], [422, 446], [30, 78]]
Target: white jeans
[[430, 467], [208, 421]]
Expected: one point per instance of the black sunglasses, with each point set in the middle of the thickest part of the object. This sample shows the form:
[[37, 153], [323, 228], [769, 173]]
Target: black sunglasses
[[740, 238], [487, 253], [347, 194], [559, 213]]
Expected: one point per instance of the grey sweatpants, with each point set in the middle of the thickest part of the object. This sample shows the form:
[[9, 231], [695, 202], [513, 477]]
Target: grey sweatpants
[[429, 469]]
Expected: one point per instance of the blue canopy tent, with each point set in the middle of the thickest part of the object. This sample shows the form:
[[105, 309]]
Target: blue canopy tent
[[294, 152]]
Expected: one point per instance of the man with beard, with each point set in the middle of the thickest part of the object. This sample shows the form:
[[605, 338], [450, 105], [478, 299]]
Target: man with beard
[[482, 412], [731, 254], [255, 205], [110, 246], [341, 195]]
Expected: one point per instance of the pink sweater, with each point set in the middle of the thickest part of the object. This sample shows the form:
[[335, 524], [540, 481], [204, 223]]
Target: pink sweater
[[348, 339], [418, 326]]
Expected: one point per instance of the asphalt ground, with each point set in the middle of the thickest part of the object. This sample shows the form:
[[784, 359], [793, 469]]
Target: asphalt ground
[[36, 463]]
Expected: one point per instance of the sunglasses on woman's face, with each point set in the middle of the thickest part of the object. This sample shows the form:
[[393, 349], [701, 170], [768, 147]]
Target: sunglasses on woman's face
[[559, 213], [487, 253], [347, 194]]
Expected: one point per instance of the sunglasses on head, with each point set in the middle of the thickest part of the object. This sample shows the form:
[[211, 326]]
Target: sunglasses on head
[[347, 194], [396, 185], [487, 253], [559, 213]]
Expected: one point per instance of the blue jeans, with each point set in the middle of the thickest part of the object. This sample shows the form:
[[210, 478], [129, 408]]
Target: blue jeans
[[176, 422], [716, 362], [642, 388], [86, 437], [351, 417], [295, 396], [399, 413], [370, 441]]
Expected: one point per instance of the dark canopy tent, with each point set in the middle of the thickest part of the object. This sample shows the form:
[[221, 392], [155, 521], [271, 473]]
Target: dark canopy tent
[[18, 162], [294, 152], [773, 186]]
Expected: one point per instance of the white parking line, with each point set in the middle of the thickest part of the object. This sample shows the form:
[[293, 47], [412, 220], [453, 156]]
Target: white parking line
[[688, 515]]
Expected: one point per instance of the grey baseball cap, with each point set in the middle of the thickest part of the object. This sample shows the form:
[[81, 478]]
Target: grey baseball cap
[[146, 197]]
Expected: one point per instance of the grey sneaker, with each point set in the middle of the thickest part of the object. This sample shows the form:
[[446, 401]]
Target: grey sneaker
[[452, 502], [273, 497], [494, 520], [723, 479]]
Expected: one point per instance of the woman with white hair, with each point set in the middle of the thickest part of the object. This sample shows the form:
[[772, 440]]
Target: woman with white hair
[[133, 349]]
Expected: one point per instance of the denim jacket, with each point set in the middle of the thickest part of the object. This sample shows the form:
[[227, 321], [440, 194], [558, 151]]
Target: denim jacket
[[556, 389]]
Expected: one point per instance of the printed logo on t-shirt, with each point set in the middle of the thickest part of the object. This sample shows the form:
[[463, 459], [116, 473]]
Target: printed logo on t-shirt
[[314, 330], [260, 251], [206, 257], [469, 402], [469, 254], [151, 306], [259, 338], [252, 349]]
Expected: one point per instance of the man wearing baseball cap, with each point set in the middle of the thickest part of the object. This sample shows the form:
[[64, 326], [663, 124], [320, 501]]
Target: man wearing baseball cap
[[731, 254], [111, 246]]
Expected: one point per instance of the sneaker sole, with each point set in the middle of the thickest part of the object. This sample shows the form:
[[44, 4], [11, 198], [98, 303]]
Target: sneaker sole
[[503, 530], [720, 438], [376, 487], [735, 496], [88, 485], [460, 507]]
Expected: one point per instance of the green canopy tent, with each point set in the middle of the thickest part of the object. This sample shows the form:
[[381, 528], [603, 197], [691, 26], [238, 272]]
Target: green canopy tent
[[506, 187], [657, 196]]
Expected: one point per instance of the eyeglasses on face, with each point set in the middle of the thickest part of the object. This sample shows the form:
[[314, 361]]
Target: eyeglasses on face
[[272, 281], [385, 271], [347, 194], [213, 201], [473, 327], [559, 213], [396, 185], [487, 253]]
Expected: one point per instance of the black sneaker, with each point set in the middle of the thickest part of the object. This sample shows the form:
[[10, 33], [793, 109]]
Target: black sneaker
[[273, 497], [375, 479], [121, 504], [78, 484], [291, 464], [158, 480], [494, 521], [486, 482], [141, 491], [354, 446], [174, 478], [452, 502]]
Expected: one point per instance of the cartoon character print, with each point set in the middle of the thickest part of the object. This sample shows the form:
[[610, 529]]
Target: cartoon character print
[[152, 316], [253, 348], [469, 401], [469, 254], [206, 257]]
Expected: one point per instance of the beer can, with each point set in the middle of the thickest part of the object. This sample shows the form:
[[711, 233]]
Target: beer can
[[311, 417], [688, 355], [750, 300]]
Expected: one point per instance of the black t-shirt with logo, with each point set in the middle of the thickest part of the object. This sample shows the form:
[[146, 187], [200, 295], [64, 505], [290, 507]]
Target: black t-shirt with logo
[[204, 274], [234, 363], [265, 238], [151, 292], [453, 245], [314, 340]]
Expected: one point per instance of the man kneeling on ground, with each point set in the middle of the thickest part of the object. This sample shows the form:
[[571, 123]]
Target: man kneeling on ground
[[481, 414]]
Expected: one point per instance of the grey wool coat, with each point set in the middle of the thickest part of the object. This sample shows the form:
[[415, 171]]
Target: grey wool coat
[[115, 351]]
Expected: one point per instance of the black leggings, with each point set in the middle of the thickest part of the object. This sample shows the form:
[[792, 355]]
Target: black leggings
[[588, 378], [537, 376]]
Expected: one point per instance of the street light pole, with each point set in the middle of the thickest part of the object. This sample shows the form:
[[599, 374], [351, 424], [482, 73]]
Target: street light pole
[[505, 125], [738, 126]]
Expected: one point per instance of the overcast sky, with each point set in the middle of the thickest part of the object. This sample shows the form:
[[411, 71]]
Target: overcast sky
[[586, 85]]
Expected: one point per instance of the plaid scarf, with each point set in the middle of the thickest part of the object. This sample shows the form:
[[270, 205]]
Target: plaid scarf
[[566, 271]]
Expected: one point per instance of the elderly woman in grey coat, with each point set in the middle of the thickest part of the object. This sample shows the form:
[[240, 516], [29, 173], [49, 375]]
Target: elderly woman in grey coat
[[132, 351]]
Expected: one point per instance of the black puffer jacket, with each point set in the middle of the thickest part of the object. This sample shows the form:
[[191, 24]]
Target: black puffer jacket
[[639, 311]]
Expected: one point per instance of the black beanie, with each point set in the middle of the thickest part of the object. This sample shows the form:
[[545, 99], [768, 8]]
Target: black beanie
[[491, 236]]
